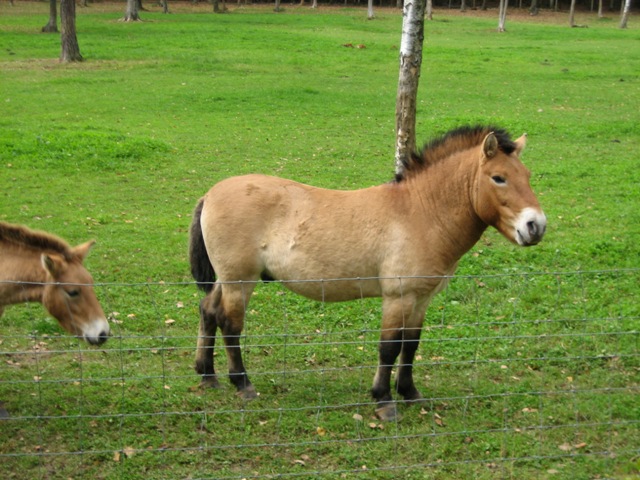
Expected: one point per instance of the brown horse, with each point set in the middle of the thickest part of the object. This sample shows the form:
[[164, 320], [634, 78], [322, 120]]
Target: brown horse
[[400, 240], [39, 267]]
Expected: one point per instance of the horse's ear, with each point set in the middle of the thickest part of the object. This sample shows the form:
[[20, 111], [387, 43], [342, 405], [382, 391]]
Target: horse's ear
[[81, 251], [489, 147], [520, 143], [51, 264]]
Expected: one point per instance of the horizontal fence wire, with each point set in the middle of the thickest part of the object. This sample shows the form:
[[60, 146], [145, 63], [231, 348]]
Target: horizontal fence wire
[[521, 373]]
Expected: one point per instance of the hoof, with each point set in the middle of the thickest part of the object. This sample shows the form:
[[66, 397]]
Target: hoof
[[248, 393], [209, 381], [388, 412]]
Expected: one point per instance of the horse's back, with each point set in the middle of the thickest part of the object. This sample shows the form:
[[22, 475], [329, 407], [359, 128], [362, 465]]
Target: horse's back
[[257, 225]]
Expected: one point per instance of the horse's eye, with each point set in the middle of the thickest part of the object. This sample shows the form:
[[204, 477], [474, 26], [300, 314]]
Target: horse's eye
[[498, 180], [73, 293]]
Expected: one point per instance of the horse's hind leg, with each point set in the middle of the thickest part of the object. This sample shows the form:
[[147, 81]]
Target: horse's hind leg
[[207, 339], [235, 299]]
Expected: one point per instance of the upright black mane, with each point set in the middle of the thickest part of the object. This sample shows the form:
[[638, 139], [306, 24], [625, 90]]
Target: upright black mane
[[21, 235], [461, 138]]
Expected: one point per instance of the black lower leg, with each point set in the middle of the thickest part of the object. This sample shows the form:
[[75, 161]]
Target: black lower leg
[[388, 352], [206, 344], [404, 379]]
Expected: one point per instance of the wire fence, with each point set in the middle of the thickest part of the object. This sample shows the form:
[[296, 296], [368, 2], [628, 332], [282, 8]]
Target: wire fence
[[524, 375]]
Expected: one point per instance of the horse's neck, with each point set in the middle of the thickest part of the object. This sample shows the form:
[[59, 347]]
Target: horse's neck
[[21, 275], [446, 191]]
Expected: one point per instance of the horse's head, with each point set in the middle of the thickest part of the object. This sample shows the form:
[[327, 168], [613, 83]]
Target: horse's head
[[70, 298], [504, 196]]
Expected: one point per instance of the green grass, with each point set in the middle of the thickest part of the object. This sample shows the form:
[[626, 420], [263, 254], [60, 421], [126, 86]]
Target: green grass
[[529, 359]]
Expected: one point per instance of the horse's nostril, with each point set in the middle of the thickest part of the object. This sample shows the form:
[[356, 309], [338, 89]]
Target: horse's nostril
[[533, 228]]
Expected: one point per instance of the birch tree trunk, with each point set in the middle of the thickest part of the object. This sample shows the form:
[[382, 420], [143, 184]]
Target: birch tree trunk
[[68, 38], [370, 9], [600, 15], [625, 14], [52, 24], [502, 15], [429, 10], [410, 64]]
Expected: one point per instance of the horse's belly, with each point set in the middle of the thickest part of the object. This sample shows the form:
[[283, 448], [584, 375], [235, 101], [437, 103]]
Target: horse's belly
[[335, 289]]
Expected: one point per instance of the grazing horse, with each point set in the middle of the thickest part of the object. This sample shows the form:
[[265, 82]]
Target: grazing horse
[[400, 241], [40, 267]]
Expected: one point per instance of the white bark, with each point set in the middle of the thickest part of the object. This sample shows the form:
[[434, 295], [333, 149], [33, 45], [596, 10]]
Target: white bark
[[625, 14], [370, 9], [410, 64], [502, 15]]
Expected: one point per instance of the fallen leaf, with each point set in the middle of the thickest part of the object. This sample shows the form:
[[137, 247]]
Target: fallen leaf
[[116, 456], [129, 451], [565, 447], [321, 431], [180, 305], [357, 417], [580, 445], [169, 321]]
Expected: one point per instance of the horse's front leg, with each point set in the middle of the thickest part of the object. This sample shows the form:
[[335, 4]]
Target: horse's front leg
[[404, 377], [388, 350], [402, 320], [206, 341]]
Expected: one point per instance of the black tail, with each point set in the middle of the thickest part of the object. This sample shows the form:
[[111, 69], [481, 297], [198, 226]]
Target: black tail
[[201, 267]]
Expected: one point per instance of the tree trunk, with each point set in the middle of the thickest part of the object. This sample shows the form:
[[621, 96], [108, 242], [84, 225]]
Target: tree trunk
[[572, 14], [533, 10], [600, 14], [370, 9], [69, 41], [165, 6], [625, 13], [502, 15], [52, 24], [131, 14], [410, 64], [429, 10]]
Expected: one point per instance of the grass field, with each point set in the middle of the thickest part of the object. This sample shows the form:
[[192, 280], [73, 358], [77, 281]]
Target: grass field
[[529, 360]]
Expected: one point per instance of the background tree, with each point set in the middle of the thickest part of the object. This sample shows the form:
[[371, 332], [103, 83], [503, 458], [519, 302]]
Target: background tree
[[131, 13], [410, 65], [68, 38], [370, 9], [52, 24], [502, 15], [572, 14], [625, 13]]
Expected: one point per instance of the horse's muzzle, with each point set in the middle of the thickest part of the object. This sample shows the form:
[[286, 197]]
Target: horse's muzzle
[[530, 227]]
